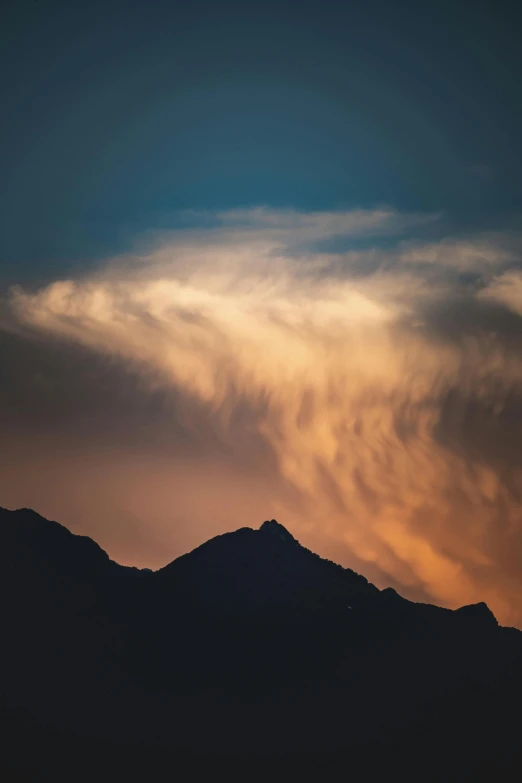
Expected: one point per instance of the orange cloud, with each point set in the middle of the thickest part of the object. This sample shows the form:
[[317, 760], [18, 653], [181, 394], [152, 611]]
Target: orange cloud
[[345, 382]]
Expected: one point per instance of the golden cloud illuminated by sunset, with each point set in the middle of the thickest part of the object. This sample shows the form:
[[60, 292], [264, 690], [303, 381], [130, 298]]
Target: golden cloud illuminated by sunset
[[342, 360]]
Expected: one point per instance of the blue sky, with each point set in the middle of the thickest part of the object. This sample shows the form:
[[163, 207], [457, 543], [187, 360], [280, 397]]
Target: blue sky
[[117, 115]]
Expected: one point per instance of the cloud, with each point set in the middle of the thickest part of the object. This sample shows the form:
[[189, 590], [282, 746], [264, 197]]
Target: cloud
[[506, 289], [347, 377], [473, 255]]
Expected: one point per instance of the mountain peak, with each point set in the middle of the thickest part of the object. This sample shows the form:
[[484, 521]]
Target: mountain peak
[[479, 613], [273, 528]]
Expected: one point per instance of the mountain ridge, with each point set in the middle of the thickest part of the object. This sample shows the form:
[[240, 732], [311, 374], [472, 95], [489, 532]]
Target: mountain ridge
[[249, 641], [271, 527]]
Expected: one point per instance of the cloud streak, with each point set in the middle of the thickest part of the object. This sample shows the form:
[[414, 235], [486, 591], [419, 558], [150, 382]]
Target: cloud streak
[[349, 375]]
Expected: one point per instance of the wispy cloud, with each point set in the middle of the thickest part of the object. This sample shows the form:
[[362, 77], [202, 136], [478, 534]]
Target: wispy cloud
[[506, 289], [342, 367]]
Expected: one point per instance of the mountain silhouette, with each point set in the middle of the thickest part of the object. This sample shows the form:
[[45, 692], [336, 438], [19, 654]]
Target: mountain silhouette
[[249, 647]]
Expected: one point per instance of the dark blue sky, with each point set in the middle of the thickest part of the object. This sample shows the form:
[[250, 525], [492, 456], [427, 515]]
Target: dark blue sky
[[117, 114]]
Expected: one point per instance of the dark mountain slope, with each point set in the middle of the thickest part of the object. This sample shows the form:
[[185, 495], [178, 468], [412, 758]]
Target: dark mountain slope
[[250, 643]]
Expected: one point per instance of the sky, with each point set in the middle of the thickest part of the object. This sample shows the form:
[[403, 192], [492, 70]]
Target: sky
[[265, 260]]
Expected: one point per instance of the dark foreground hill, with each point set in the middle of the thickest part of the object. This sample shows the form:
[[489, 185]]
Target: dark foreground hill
[[251, 651]]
